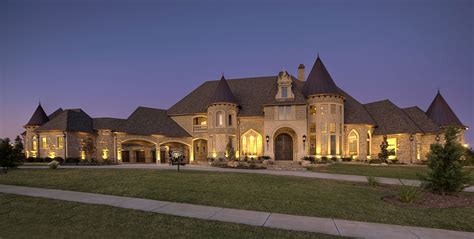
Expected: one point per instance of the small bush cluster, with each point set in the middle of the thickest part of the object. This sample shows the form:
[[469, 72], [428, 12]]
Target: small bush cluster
[[373, 182], [408, 194]]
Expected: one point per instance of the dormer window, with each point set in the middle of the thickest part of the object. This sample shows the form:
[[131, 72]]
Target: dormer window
[[284, 92]]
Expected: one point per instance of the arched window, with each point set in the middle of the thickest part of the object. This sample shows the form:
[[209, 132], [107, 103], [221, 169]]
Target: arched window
[[353, 140], [219, 119], [369, 138], [251, 143]]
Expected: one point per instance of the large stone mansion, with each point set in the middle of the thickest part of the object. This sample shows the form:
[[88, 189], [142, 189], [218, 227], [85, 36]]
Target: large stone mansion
[[280, 116]]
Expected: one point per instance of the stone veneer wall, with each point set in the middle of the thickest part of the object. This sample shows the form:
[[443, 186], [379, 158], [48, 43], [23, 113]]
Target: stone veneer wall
[[218, 136], [361, 131]]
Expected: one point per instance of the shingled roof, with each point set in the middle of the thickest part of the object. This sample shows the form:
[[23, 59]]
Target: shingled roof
[[390, 119], [440, 112], [222, 93], [38, 118], [354, 111], [148, 121], [108, 123], [422, 120], [69, 120], [319, 81], [55, 113], [251, 95]]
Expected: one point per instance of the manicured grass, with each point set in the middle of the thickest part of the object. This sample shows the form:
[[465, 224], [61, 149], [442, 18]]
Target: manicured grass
[[282, 194], [390, 171], [27, 217]]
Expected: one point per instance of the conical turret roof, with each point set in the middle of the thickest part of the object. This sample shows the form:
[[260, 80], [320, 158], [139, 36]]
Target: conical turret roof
[[223, 94], [38, 118], [440, 112], [319, 81]]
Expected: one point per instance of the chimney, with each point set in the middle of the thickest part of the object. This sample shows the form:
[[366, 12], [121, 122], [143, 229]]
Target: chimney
[[301, 72]]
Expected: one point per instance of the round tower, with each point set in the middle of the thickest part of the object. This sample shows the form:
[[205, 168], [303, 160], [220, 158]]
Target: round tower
[[325, 113], [222, 122]]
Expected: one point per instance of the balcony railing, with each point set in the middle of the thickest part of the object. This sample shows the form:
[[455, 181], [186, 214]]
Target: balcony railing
[[199, 128]]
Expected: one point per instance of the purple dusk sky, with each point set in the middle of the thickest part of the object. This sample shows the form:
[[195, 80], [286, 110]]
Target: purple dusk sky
[[108, 57]]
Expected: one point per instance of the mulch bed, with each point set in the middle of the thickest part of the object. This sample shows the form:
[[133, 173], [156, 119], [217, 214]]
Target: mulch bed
[[430, 200]]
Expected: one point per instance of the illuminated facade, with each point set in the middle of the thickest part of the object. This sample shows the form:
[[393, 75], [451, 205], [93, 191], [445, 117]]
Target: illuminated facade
[[280, 116]]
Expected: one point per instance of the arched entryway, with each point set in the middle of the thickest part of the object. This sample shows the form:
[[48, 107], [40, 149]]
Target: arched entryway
[[138, 151], [284, 147], [168, 147], [200, 149]]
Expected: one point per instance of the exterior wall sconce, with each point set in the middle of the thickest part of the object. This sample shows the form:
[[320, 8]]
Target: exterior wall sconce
[[267, 138], [437, 138], [411, 137], [304, 142]]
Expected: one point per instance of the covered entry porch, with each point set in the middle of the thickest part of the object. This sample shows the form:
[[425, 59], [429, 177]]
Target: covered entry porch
[[138, 151]]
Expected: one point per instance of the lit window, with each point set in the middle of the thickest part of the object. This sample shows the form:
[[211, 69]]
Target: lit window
[[220, 119], [392, 145], [44, 142], [324, 127], [251, 143], [60, 142], [35, 145], [333, 109], [284, 92], [105, 153], [418, 151], [353, 143], [312, 145], [332, 127]]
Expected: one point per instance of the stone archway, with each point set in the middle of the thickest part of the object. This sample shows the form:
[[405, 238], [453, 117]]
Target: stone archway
[[138, 151], [167, 147], [284, 144], [200, 149]]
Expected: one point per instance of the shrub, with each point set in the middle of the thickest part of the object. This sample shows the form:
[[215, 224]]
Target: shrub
[[376, 161], [219, 164], [59, 160], [30, 159], [53, 164], [73, 160], [266, 157], [334, 159], [373, 182], [48, 159], [311, 159], [346, 159], [323, 160], [408, 194], [39, 160], [468, 158], [446, 175]]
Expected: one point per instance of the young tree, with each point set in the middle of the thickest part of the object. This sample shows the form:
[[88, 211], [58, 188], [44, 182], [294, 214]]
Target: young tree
[[384, 152], [446, 175], [230, 151], [10, 155]]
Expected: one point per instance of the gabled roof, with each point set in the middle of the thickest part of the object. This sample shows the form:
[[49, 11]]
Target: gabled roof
[[108, 123], [390, 119], [354, 111], [148, 121], [38, 118], [440, 112], [422, 120], [69, 120], [222, 93], [319, 81], [55, 113]]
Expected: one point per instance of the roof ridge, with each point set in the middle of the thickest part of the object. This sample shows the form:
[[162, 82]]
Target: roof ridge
[[411, 119]]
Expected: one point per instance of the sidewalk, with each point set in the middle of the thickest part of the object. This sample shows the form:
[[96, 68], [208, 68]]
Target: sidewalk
[[342, 177], [254, 218]]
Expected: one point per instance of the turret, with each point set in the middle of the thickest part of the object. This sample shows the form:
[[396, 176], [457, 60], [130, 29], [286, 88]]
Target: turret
[[31, 139], [325, 113], [222, 121]]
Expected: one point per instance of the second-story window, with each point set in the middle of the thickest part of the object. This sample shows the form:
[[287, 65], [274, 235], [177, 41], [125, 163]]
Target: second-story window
[[230, 119], [284, 92], [220, 119]]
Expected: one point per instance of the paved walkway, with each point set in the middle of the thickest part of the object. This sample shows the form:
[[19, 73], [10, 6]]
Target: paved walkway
[[308, 174], [254, 218]]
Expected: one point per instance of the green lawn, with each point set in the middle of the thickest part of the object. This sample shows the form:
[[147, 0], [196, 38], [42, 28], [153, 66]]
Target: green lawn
[[390, 171], [27, 217], [282, 194]]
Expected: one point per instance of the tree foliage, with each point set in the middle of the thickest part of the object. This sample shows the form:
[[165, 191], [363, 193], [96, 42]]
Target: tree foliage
[[10, 155], [384, 151], [230, 151], [446, 175]]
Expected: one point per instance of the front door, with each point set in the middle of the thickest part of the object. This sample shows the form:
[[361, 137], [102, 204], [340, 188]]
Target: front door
[[283, 147], [200, 150], [140, 156]]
